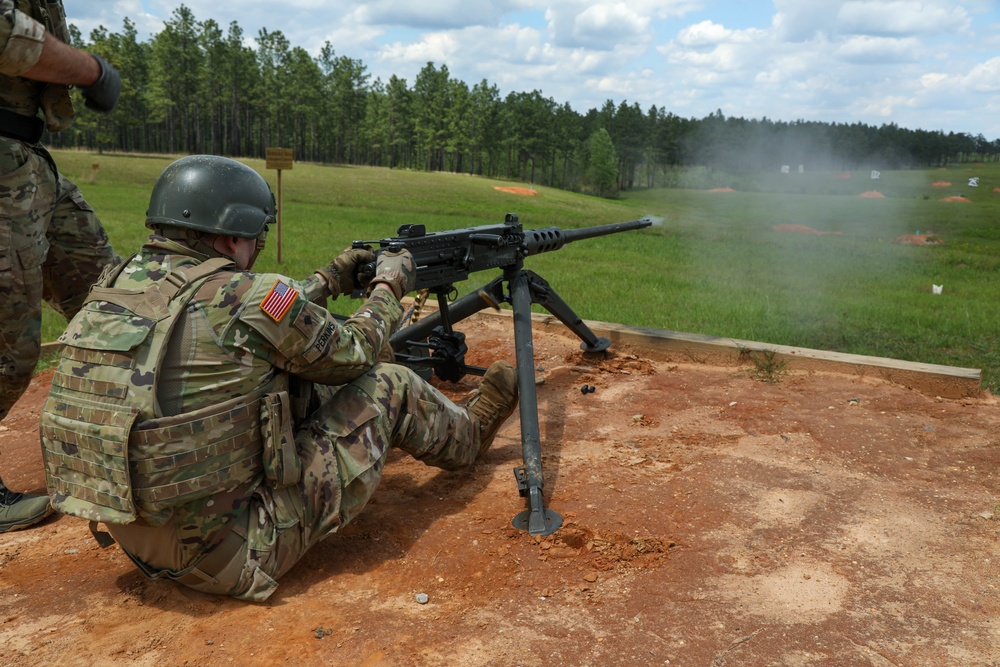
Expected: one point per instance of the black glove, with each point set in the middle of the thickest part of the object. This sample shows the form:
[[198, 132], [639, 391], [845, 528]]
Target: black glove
[[103, 94], [397, 270], [341, 272]]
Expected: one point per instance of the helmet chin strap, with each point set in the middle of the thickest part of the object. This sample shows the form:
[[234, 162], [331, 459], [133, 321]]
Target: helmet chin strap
[[261, 240], [197, 241], [256, 253]]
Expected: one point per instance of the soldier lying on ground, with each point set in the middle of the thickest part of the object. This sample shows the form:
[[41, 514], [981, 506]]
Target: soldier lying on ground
[[219, 421]]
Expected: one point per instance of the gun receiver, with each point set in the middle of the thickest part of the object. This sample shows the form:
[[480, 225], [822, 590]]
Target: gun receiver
[[432, 344]]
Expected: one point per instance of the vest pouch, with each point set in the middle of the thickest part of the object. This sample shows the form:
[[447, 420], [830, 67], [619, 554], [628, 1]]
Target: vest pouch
[[192, 456], [85, 449], [109, 326], [282, 465]]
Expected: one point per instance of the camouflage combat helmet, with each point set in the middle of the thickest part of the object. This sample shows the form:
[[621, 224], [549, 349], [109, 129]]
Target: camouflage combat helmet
[[213, 194]]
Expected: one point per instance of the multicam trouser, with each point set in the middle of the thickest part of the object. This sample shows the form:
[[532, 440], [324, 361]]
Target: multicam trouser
[[52, 247], [343, 446]]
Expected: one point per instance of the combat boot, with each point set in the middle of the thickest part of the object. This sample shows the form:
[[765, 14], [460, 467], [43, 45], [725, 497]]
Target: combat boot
[[20, 510], [493, 402]]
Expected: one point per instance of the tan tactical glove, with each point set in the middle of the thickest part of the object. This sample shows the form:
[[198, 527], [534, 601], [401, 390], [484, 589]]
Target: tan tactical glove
[[397, 270], [342, 272]]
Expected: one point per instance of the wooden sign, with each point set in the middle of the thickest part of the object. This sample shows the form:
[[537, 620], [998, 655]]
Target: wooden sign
[[279, 158]]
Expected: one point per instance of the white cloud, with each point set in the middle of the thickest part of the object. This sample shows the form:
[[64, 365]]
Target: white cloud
[[602, 26], [705, 33], [436, 14], [885, 106], [597, 25], [934, 81], [985, 77], [436, 47], [902, 17], [716, 54], [803, 20], [879, 51], [349, 36]]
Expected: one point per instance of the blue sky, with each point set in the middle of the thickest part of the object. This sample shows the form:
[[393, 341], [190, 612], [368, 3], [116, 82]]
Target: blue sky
[[922, 64]]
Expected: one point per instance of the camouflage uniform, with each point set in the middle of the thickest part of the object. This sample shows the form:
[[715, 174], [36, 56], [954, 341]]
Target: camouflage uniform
[[52, 245], [246, 511]]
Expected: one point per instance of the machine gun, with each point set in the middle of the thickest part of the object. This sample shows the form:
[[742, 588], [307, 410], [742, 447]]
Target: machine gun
[[432, 344]]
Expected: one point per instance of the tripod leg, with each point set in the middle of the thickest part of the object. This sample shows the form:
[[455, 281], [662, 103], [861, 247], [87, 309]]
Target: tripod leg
[[537, 520], [545, 296]]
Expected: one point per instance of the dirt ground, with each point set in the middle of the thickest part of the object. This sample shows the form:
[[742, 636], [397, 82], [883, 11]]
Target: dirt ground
[[710, 519], [530, 192], [919, 239]]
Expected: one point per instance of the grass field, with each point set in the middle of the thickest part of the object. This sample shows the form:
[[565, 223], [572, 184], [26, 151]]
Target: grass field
[[793, 259]]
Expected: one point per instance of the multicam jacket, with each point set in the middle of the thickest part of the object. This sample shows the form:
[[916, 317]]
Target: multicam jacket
[[22, 26], [165, 402]]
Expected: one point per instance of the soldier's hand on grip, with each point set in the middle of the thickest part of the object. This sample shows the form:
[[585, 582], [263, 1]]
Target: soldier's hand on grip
[[342, 272], [396, 269]]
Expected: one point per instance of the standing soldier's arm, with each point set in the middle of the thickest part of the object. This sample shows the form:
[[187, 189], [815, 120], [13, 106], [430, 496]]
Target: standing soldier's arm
[[59, 62], [29, 51]]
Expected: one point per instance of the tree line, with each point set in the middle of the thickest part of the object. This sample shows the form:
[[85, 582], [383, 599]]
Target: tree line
[[194, 88]]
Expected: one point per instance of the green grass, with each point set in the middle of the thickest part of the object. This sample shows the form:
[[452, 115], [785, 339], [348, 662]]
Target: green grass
[[715, 265]]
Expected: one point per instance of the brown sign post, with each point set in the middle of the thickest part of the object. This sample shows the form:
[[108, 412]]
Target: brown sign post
[[280, 159]]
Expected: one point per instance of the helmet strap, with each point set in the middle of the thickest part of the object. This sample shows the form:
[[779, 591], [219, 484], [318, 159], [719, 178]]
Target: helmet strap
[[198, 241]]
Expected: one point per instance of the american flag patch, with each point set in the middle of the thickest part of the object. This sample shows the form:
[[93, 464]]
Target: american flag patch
[[279, 300]]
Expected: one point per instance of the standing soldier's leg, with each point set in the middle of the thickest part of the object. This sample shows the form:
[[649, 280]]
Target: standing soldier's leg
[[21, 510], [27, 198], [79, 250]]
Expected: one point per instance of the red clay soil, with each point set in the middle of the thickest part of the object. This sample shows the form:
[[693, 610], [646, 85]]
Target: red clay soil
[[941, 184], [962, 200], [710, 519], [530, 192], [872, 194], [722, 190]]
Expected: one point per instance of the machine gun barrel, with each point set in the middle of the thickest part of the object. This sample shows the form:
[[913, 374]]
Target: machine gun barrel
[[537, 241]]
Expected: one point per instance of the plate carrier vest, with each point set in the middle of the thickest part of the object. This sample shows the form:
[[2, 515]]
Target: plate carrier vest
[[110, 456]]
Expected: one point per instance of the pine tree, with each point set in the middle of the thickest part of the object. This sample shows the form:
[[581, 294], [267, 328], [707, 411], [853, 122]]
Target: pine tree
[[601, 171]]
